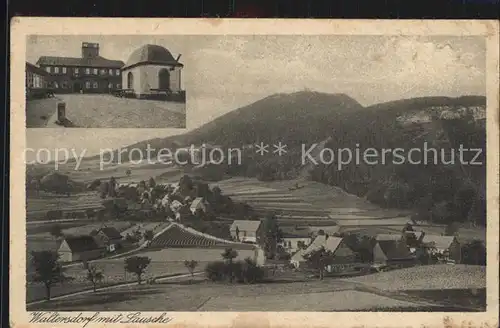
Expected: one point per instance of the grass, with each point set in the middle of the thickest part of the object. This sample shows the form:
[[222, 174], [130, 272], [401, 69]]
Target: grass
[[106, 111], [287, 291], [39, 111], [199, 295], [427, 277]]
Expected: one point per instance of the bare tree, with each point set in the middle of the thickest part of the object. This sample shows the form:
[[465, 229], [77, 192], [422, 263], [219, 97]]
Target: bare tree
[[94, 275]]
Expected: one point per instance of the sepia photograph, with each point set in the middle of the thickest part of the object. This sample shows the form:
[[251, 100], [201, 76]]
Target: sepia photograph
[[316, 173], [118, 82]]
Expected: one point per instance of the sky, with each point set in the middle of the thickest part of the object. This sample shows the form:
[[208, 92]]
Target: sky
[[223, 73]]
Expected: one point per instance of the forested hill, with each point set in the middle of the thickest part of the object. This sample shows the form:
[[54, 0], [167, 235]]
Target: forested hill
[[442, 192]]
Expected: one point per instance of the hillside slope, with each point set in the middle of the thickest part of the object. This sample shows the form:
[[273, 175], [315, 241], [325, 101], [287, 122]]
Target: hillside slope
[[442, 192]]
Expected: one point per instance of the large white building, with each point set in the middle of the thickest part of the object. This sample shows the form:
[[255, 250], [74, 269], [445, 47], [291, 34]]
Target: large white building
[[152, 69]]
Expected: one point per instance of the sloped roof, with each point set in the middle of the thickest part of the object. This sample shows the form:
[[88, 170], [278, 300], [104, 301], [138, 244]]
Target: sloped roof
[[196, 202], [245, 225], [151, 54], [442, 242], [394, 250], [299, 255], [81, 243], [330, 243], [111, 232], [35, 69], [97, 62]]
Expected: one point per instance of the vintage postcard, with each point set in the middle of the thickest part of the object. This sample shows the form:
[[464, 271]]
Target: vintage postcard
[[254, 173], [112, 81]]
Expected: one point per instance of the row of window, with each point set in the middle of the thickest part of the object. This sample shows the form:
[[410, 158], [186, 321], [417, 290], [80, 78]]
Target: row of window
[[88, 85], [35, 81], [88, 71]]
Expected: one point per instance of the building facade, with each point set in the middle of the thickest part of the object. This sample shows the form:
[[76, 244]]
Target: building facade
[[150, 70], [91, 73], [37, 81], [246, 231]]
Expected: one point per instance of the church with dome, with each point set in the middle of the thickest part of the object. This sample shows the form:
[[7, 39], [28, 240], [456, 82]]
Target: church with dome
[[151, 70]]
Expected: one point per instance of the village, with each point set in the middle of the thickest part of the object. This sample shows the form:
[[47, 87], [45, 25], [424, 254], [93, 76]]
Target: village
[[149, 231]]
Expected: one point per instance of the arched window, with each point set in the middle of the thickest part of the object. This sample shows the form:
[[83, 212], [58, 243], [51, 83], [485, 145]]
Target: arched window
[[130, 80], [164, 79]]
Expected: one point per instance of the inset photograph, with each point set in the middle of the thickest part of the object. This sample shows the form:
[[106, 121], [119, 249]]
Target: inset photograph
[[105, 82]]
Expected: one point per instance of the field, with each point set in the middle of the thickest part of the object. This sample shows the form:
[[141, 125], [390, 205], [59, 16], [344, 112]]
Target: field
[[285, 292], [38, 205], [106, 111], [313, 203], [429, 277]]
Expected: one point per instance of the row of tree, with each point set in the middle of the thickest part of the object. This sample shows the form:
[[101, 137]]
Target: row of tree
[[49, 271]]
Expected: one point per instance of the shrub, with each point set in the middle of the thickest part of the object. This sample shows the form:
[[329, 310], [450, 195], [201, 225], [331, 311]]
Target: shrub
[[250, 272], [241, 271], [216, 271]]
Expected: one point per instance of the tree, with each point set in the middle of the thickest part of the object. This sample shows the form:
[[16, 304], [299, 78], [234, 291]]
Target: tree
[[250, 272], [151, 183], [185, 185], [137, 265], [94, 276], [474, 253], [272, 236], [237, 232], [319, 259], [149, 235], [191, 266], [301, 245], [112, 187], [48, 269], [104, 189], [56, 231], [452, 229], [229, 255]]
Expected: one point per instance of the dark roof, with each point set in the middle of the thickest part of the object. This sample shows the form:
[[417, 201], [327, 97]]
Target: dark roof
[[151, 54], [111, 233], [81, 243], [97, 62], [35, 69], [394, 250]]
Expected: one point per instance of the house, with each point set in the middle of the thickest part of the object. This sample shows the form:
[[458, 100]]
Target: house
[[246, 230], [37, 81], [90, 73], [342, 253], [152, 68], [108, 237], [294, 239], [392, 251], [175, 206], [79, 248], [198, 204], [446, 247]]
